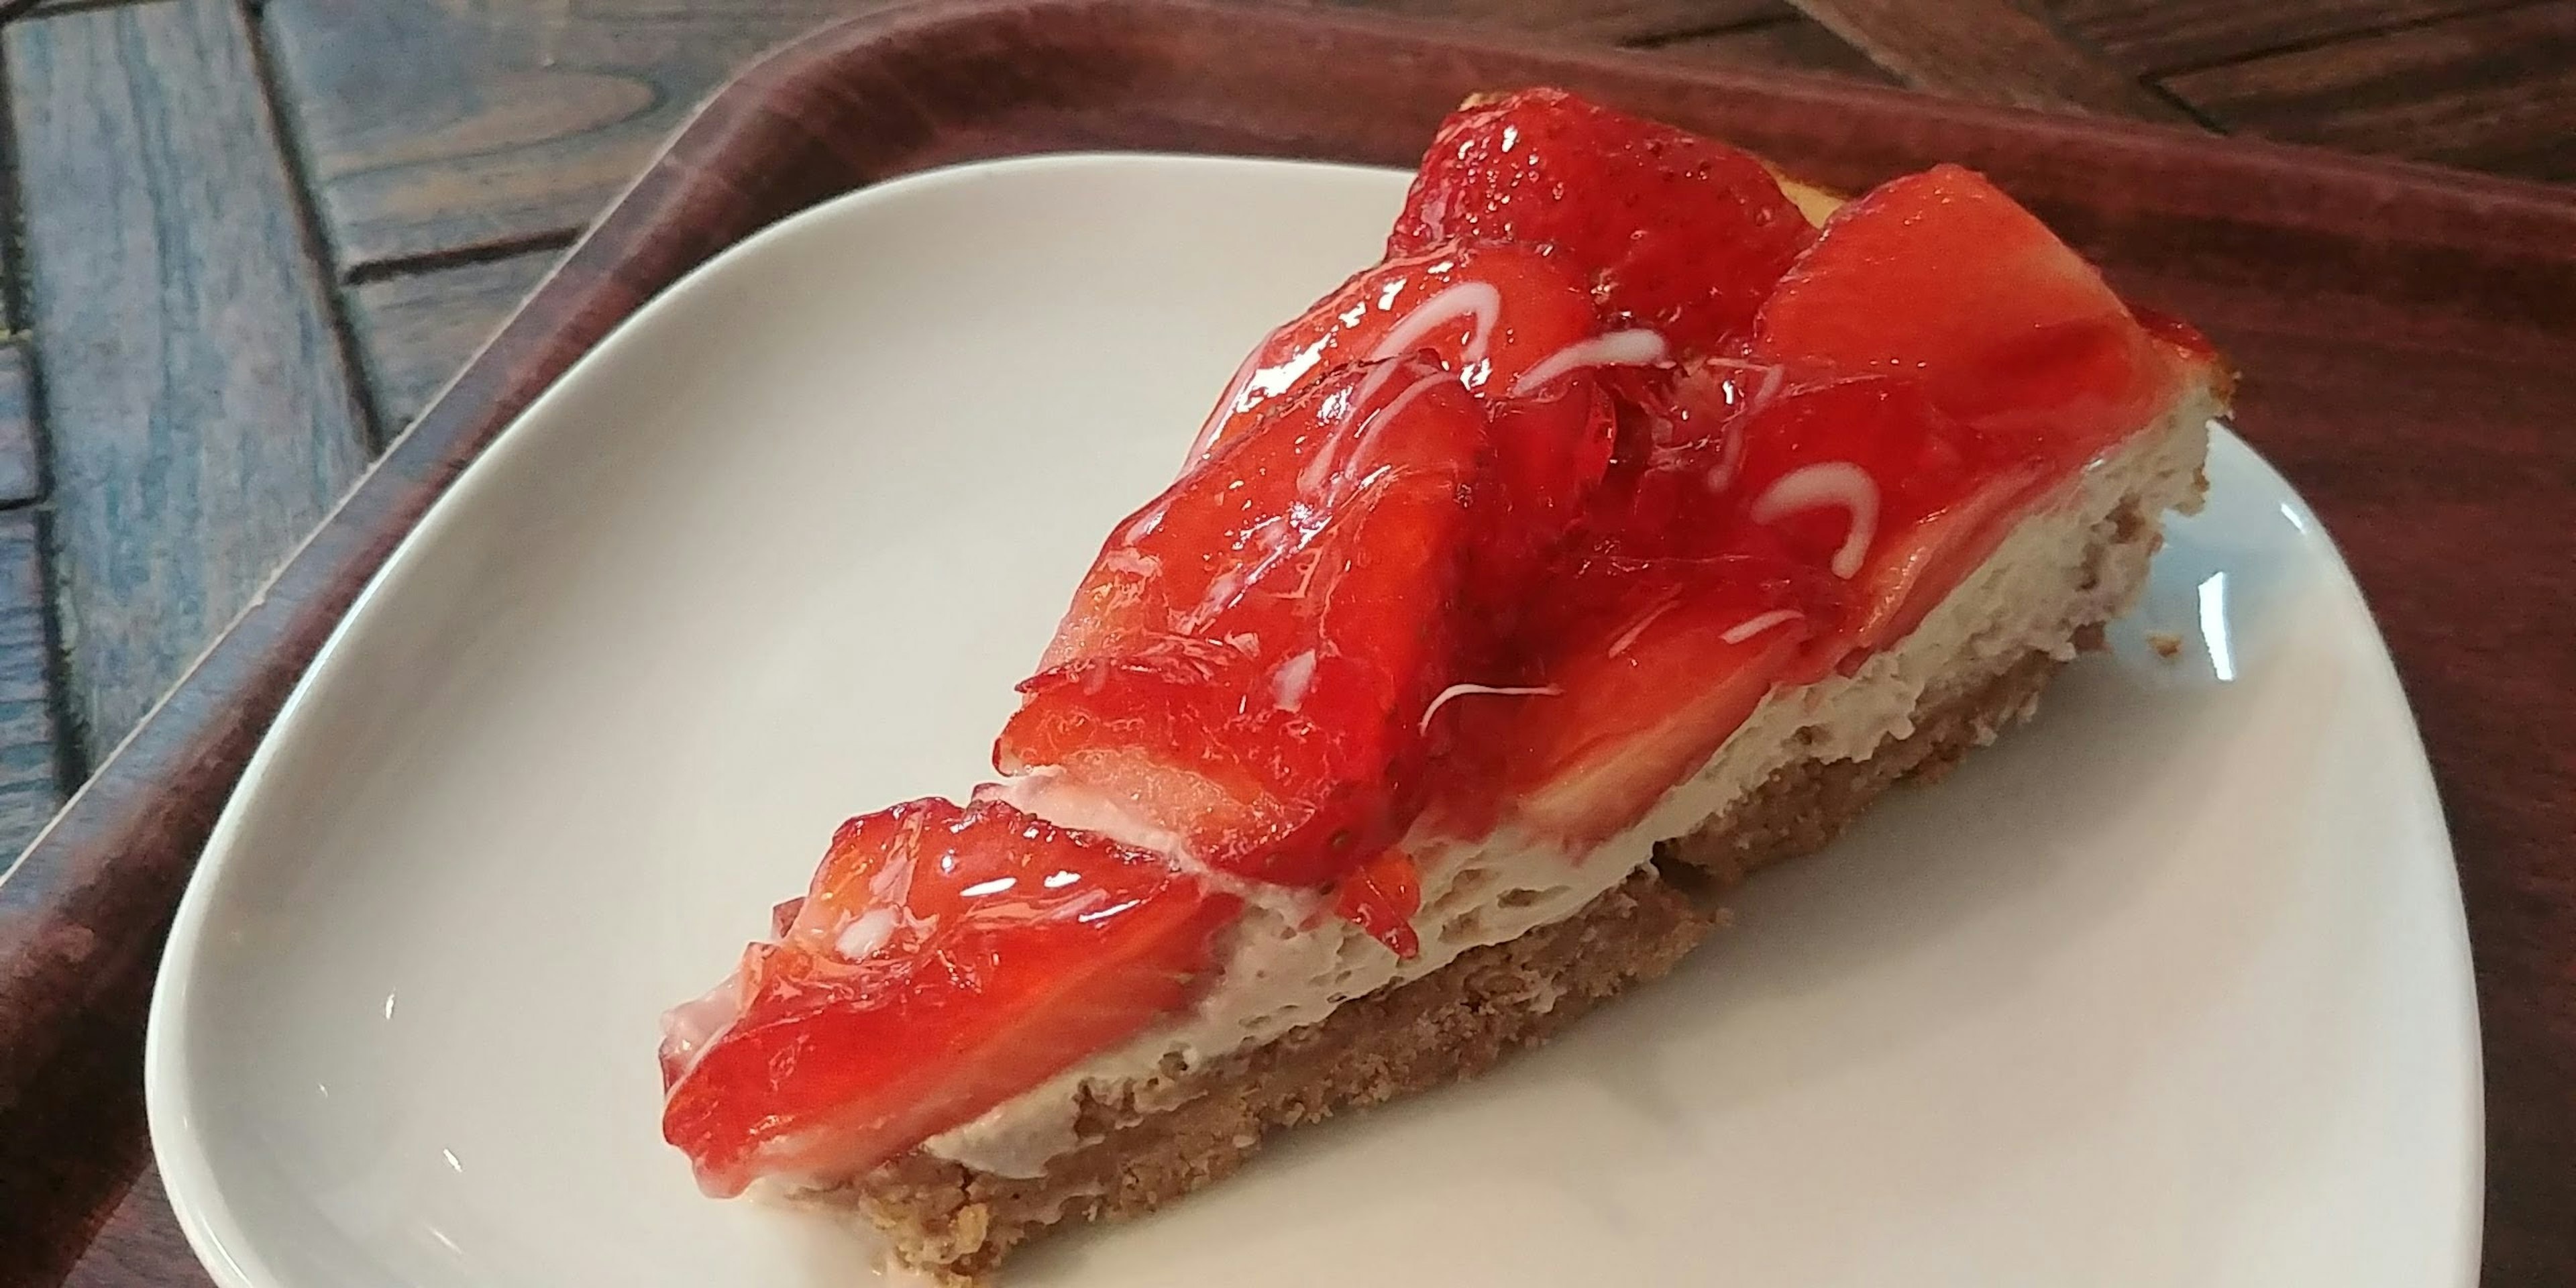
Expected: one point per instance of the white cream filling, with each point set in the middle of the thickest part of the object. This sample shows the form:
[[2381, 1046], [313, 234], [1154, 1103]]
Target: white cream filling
[[1288, 963]]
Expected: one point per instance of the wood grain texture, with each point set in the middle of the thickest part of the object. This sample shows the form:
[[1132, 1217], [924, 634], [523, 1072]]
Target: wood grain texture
[[22, 474], [433, 127], [1793, 44], [71, 1146], [2492, 91], [1606, 21], [139, 1244], [31, 783], [201, 420], [2154, 37], [2324, 275], [1991, 51], [417, 330], [2350, 392]]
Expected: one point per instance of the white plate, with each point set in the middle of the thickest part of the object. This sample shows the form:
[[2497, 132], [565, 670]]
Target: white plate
[[2169, 988]]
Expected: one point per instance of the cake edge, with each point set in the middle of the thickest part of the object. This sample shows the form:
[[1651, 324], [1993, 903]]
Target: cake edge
[[955, 1222]]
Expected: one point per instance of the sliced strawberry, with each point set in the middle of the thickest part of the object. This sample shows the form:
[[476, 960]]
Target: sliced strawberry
[[1637, 672], [1381, 898], [1770, 527], [1859, 477], [1918, 563], [1488, 313], [1683, 235], [1244, 666], [1741, 429], [1519, 331], [1829, 470], [2180, 338], [946, 959], [1940, 277]]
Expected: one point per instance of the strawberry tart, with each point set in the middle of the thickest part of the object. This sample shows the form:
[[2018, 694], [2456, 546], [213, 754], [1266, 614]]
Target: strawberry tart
[[1634, 523]]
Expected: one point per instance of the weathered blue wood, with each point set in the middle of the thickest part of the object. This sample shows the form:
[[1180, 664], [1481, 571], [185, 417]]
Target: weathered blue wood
[[200, 418]]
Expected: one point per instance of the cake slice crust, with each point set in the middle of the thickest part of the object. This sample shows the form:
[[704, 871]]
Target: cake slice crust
[[957, 1222], [2074, 567]]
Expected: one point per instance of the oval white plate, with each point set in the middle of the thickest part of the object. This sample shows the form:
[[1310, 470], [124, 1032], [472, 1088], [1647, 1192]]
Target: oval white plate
[[2171, 987]]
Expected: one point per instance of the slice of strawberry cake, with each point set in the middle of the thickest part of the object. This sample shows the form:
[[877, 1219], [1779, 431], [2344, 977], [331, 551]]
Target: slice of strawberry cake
[[1635, 522]]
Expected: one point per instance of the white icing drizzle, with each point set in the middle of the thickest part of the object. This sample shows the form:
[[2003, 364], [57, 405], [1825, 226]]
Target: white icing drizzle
[[1328, 460], [1730, 453], [1289, 683], [1772, 377], [864, 934], [688, 1028], [1835, 483], [1369, 386], [1755, 625], [1628, 637], [1633, 348], [1482, 300], [1731, 450], [1252, 377], [1464, 690]]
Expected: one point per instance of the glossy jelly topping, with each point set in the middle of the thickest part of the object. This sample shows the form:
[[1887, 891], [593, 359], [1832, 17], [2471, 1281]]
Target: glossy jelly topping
[[1676, 234], [1514, 528], [945, 959], [1244, 667]]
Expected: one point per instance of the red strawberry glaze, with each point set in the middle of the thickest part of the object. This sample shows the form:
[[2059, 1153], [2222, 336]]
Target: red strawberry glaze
[[1680, 234], [1381, 898], [2182, 338], [945, 959], [1860, 478], [1631, 675], [1489, 313], [1941, 278], [1519, 330], [1244, 667], [1929, 368], [1516, 527]]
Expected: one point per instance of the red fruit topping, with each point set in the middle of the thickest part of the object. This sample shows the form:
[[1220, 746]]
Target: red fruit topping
[[1613, 432], [1918, 563], [2184, 339], [1859, 478], [946, 959], [1381, 898], [1245, 665], [1784, 527], [1518, 330], [1640, 669], [1488, 313], [1683, 235], [1940, 277]]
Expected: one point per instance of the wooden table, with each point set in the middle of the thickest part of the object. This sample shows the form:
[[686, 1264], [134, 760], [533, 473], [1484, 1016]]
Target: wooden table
[[255, 238]]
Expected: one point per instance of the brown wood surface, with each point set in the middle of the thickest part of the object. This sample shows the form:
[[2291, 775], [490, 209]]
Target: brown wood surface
[[1610, 22], [2155, 37], [436, 128], [203, 459], [1792, 42], [2379, 311], [417, 330], [2492, 91], [1995, 51]]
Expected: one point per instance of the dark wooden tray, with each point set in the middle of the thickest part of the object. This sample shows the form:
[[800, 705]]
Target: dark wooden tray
[[2409, 339]]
